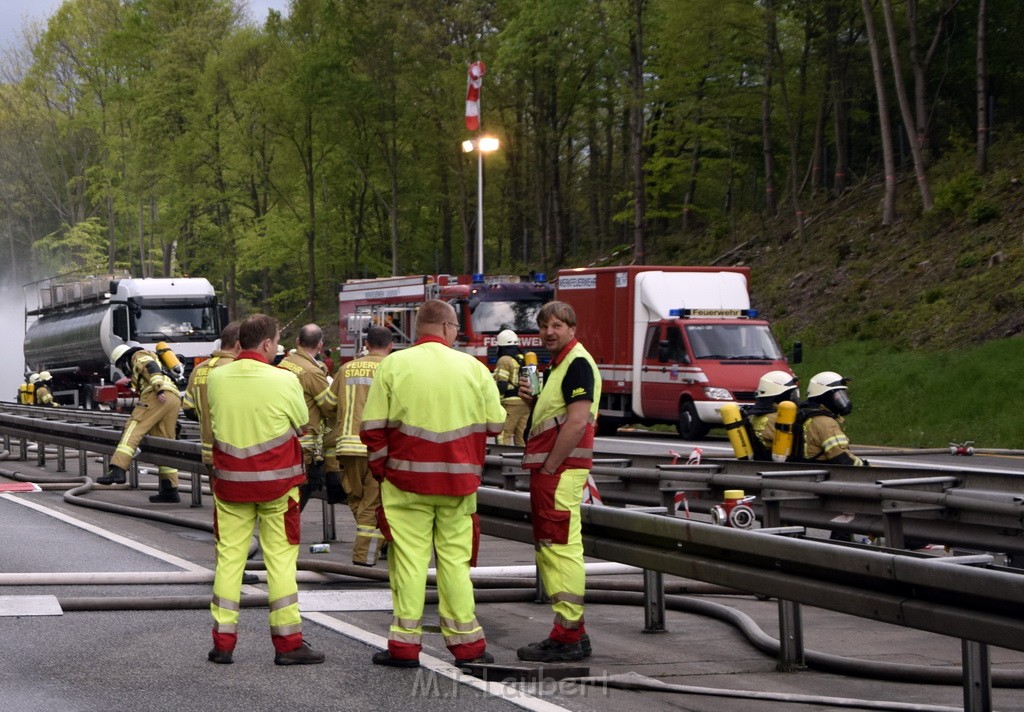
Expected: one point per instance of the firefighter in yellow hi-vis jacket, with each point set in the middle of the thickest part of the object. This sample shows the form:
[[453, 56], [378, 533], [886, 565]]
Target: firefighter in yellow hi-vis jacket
[[559, 454], [257, 412], [156, 414], [506, 376], [351, 385], [320, 401], [425, 426], [195, 403]]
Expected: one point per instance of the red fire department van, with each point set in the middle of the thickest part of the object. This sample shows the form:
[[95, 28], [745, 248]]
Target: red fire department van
[[673, 344], [485, 306]]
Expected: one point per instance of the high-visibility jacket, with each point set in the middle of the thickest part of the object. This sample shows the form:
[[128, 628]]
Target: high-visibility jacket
[[550, 411], [427, 418], [321, 402], [196, 399], [350, 387], [257, 413], [147, 374]]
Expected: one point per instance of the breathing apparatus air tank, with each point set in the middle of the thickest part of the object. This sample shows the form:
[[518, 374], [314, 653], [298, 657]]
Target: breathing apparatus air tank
[[782, 446], [732, 419], [170, 361], [530, 369]]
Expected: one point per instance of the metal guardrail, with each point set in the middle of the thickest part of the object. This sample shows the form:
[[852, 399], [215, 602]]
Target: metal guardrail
[[963, 597]]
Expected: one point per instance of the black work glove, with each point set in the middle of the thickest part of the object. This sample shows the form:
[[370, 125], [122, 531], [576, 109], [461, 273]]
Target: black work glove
[[335, 492], [315, 476]]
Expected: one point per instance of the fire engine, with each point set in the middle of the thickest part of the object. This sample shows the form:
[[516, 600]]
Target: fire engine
[[485, 305]]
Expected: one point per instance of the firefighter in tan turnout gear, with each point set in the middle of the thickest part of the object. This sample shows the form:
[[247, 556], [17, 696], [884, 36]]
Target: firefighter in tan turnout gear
[[42, 394], [196, 404], [506, 376], [156, 414], [819, 431], [351, 386], [320, 401]]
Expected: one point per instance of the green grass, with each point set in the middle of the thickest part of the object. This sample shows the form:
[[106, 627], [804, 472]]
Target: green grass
[[928, 399]]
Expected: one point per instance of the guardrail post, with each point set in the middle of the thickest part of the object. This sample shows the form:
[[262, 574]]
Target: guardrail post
[[654, 602], [83, 462], [893, 528], [330, 533], [23, 449], [133, 474], [977, 677], [197, 489], [62, 463], [791, 637], [40, 453]]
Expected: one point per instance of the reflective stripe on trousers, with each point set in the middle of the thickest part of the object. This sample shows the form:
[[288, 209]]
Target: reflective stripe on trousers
[[278, 522], [561, 565], [420, 525]]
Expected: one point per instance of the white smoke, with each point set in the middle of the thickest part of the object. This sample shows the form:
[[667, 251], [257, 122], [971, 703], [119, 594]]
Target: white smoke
[[12, 325]]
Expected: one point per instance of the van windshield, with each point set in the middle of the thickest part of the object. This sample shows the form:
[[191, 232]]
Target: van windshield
[[733, 342]]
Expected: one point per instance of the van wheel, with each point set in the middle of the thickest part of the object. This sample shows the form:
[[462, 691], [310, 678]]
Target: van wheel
[[690, 426]]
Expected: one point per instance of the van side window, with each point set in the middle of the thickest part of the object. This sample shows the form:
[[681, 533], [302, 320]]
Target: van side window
[[676, 349], [652, 342]]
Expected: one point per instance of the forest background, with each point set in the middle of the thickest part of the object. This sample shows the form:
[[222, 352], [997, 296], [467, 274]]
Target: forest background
[[864, 157]]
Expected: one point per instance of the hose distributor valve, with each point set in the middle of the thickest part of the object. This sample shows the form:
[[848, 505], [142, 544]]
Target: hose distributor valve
[[734, 511]]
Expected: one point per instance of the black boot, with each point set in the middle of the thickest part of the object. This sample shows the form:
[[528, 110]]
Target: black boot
[[335, 492], [114, 476], [168, 493]]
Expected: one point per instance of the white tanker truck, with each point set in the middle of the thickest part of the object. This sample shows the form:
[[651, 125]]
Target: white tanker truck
[[73, 324]]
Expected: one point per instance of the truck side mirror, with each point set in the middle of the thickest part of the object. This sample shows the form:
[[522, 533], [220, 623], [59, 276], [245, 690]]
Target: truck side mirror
[[798, 352], [120, 323], [222, 313]]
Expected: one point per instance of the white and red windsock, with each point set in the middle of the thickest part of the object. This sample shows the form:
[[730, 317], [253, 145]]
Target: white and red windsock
[[473, 83]]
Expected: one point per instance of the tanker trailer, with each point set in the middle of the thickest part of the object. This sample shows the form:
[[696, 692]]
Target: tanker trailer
[[72, 324]]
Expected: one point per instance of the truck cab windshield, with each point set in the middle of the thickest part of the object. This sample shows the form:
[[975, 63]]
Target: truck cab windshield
[[492, 317], [733, 342], [176, 324]]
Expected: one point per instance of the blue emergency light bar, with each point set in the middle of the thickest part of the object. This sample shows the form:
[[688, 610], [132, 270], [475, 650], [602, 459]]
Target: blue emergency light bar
[[713, 313]]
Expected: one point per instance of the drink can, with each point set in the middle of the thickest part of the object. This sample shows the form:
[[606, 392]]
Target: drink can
[[320, 549]]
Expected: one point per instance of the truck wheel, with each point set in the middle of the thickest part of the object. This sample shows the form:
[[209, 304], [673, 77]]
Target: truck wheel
[[690, 426]]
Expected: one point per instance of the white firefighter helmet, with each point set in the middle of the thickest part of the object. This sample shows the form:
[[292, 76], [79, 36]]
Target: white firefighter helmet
[[508, 338], [33, 378], [121, 349], [829, 389], [45, 376], [776, 383], [822, 383]]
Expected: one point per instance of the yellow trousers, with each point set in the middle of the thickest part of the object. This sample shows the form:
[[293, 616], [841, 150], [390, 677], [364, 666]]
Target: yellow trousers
[[418, 525], [558, 534], [234, 523]]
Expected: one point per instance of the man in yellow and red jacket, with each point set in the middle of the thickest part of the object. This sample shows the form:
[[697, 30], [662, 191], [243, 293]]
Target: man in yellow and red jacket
[[559, 454], [425, 424], [257, 413]]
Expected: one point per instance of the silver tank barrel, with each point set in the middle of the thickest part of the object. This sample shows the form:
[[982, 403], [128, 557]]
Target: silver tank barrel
[[64, 340]]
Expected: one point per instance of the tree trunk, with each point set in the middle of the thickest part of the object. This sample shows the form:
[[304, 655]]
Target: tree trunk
[[766, 110], [981, 156], [311, 216], [636, 125], [888, 157], [905, 109]]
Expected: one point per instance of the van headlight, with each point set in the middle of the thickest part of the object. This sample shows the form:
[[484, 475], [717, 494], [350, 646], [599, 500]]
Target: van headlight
[[721, 394]]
